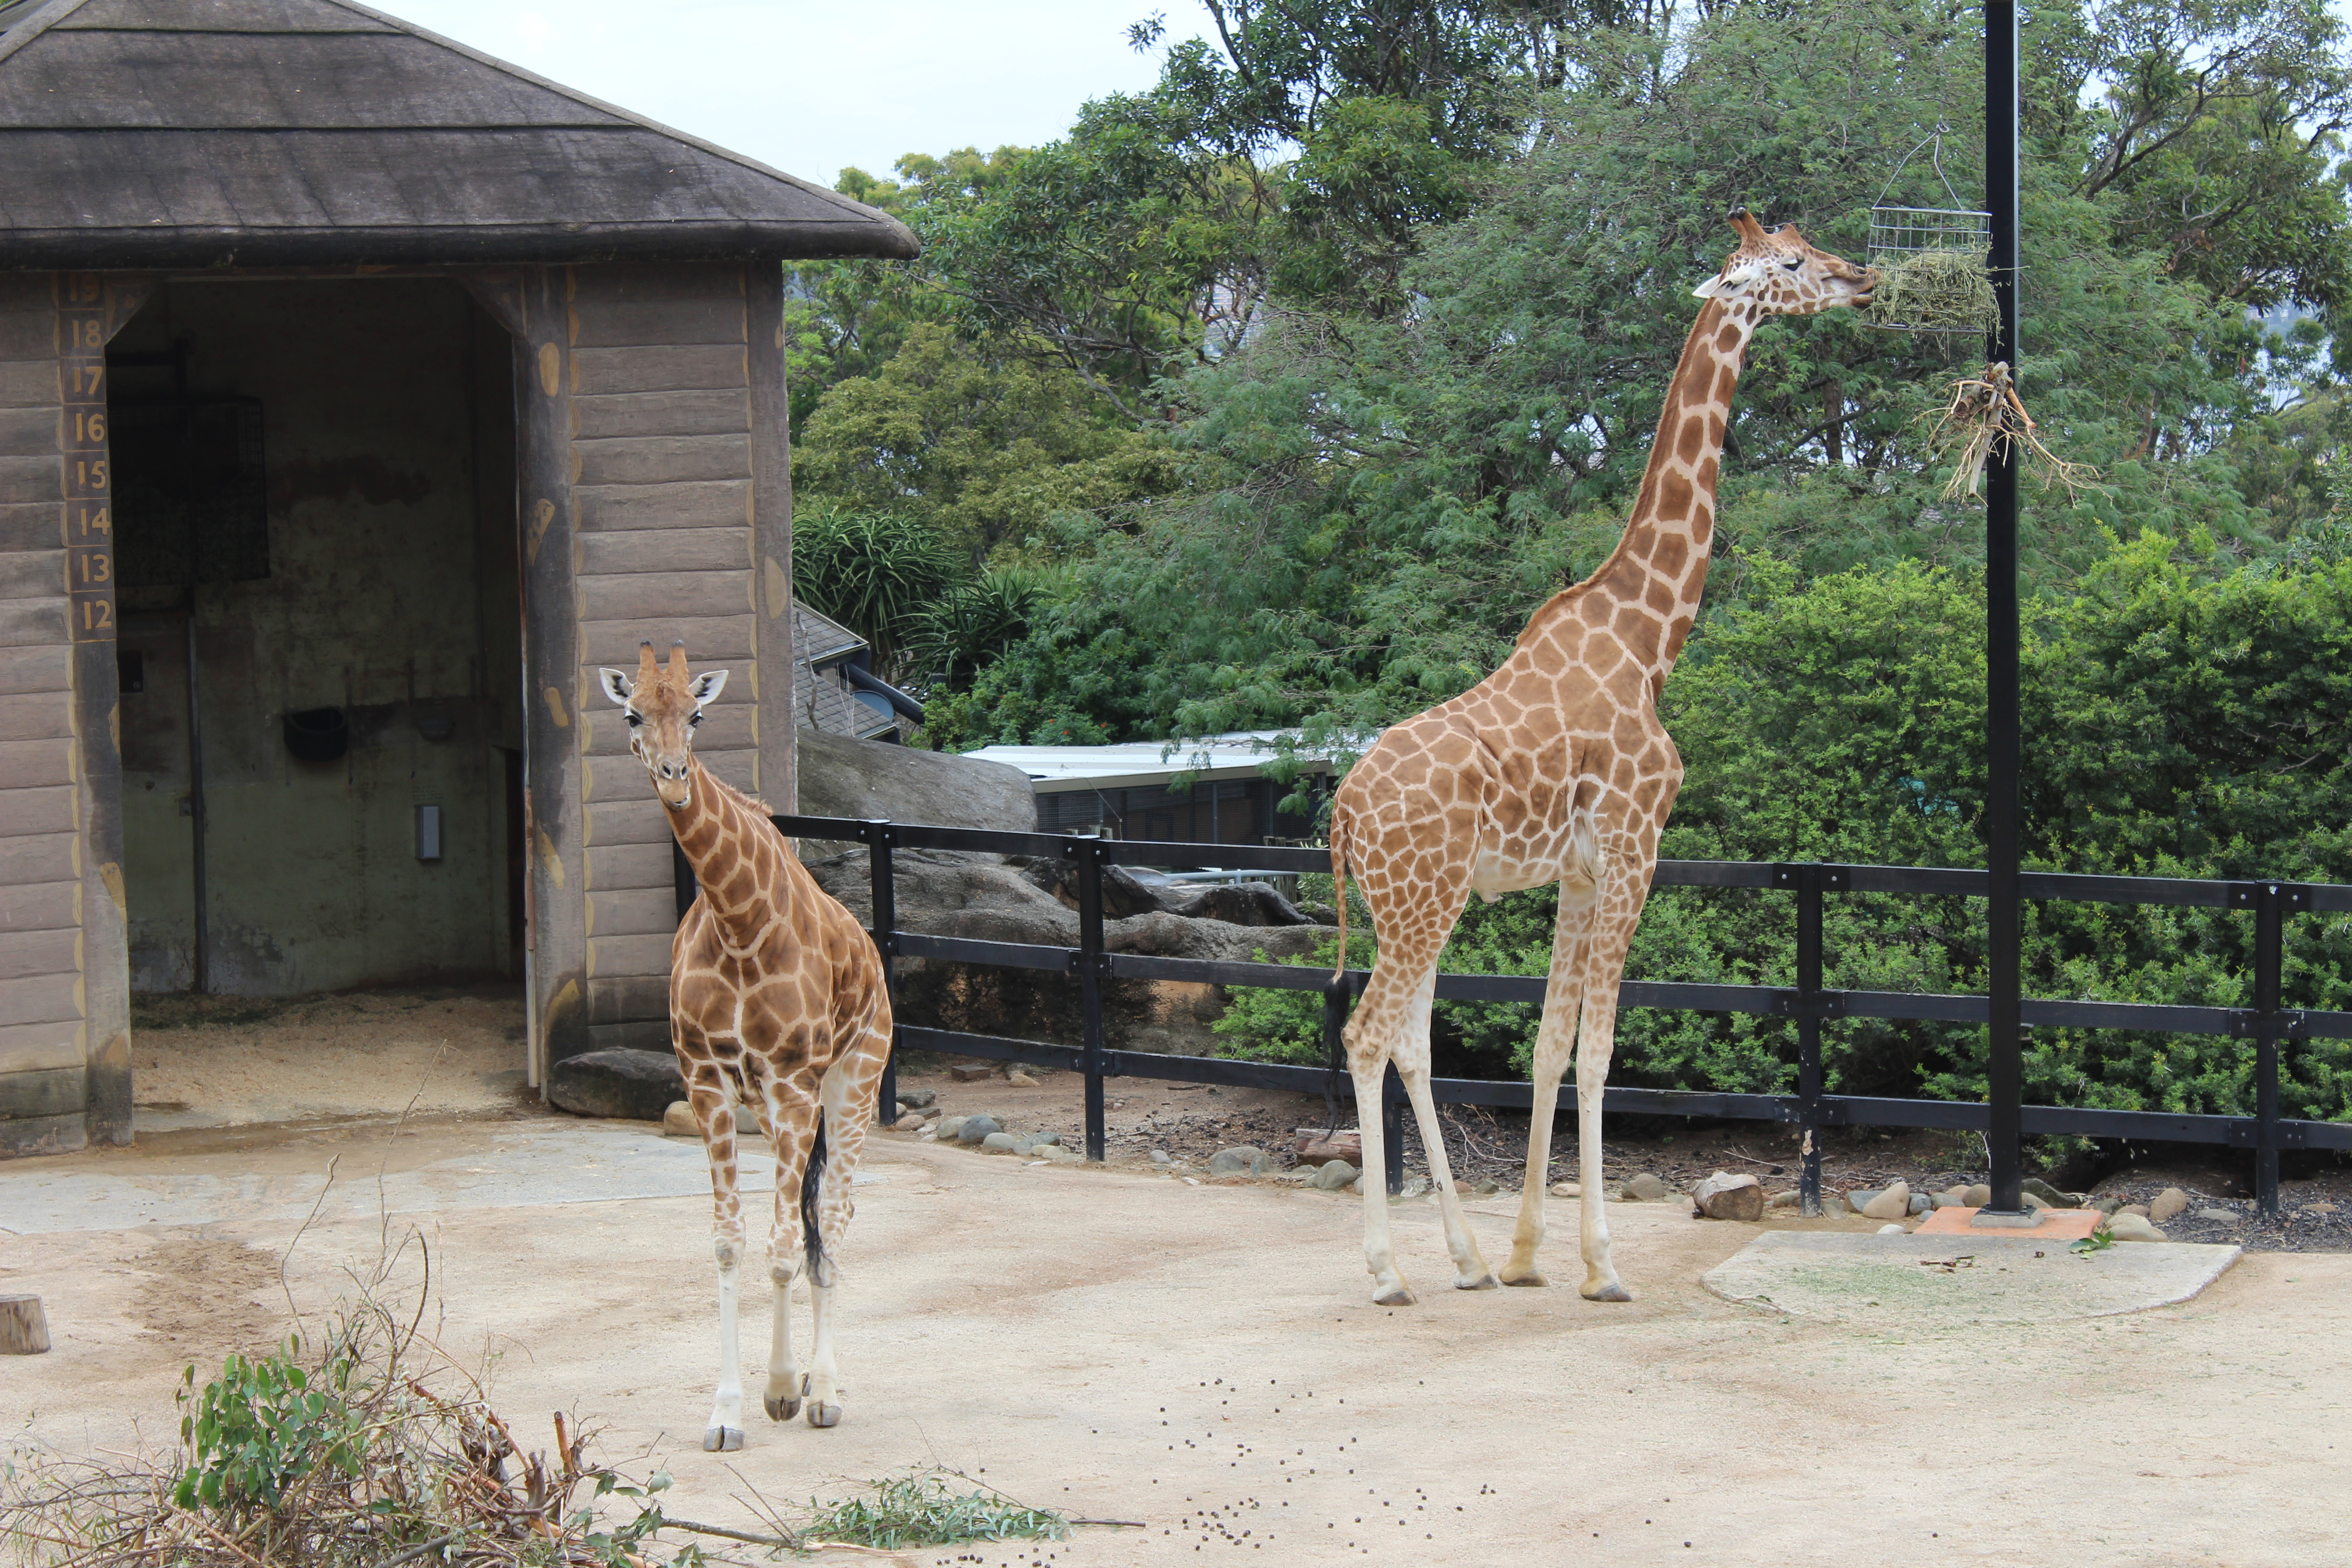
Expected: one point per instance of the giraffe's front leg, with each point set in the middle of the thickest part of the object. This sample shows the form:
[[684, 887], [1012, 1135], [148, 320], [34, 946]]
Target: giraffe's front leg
[[1389, 1287], [1555, 1044], [848, 1095], [1593, 1052], [724, 1434], [786, 1122]]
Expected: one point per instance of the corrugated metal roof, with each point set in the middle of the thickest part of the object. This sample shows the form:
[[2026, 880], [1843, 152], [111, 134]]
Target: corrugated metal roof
[[297, 132], [1054, 769], [818, 699]]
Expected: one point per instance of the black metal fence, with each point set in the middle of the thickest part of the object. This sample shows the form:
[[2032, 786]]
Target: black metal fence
[[2272, 1027]]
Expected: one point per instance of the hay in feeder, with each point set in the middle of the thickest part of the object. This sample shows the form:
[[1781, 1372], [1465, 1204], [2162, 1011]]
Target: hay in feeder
[[1984, 414], [1942, 290]]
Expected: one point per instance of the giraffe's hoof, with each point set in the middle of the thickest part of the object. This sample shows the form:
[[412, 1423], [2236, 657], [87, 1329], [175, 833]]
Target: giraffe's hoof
[[1527, 1276], [722, 1440], [1482, 1280], [1397, 1295], [781, 1409], [1612, 1292], [820, 1413]]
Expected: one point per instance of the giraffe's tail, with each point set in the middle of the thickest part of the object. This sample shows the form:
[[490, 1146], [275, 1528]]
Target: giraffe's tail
[[812, 1180], [1339, 892]]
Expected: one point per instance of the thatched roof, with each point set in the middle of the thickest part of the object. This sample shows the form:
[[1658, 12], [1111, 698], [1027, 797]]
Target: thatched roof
[[173, 133]]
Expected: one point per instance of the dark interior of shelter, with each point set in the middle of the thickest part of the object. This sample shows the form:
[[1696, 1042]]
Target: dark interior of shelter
[[320, 637]]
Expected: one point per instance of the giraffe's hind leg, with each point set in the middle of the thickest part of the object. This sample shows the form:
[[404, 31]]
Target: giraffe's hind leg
[[1555, 1044], [714, 1113], [1470, 1269], [848, 1094], [787, 1114]]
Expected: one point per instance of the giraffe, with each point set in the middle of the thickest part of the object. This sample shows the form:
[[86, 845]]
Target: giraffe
[[777, 999], [1555, 768]]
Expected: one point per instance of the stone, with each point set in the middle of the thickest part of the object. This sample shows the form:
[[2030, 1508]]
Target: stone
[[919, 1098], [970, 1072], [2221, 1217], [950, 1127], [1946, 1201], [2167, 1203], [2034, 1187], [2132, 1227], [1000, 1144], [910, 1122], [1413, 1187], [842, 776], [1245, 1160], [1645, 1188], [1487, 1186], [2106, 1205], [1860, 1197], [1335, 1174], [746, 1123], [1041, 1139], [1893, 1204], [678, 1121], [1787, 1200], [1163, 1157], [1979, 1195], [1057, 1154], [976, 1127], [1726, 1196], [2319, 1208], [1958, 1194], [629, 1085], [2139, 1209], [1565, 1190], [1891, 1230], [1019, 1079], [1921, 1203]]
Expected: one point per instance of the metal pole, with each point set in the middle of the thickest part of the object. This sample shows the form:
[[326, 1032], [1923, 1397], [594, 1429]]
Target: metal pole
[[2004, 1076], [884, 887], [1809, 1036], [199, 980], [1393, 1127], [2270, 909], [683, 887], [1091, 853]]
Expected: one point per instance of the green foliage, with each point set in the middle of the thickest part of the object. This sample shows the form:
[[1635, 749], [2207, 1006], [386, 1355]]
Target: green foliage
[[260, 1426], [875, 571], [923, 1509], [971, 625]]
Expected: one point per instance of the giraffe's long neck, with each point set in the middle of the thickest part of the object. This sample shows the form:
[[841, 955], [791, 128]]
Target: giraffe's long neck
[[1660, 566], [736, 854]]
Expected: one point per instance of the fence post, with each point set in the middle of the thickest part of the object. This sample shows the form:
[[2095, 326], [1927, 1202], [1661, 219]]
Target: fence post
[[681, 879], [1392, 1127], [1089, 853], [1809, 1036], [885, 885], [2268, 941]]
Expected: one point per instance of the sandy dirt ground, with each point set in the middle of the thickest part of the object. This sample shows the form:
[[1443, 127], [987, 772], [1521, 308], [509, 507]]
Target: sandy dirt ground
[[1205, 1360]]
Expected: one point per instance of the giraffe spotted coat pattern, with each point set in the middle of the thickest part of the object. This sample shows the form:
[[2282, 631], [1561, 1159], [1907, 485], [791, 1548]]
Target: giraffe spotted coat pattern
[[1555, 769], [777, 1001]]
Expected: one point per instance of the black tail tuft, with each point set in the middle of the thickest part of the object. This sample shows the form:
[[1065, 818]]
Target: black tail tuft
[[812, 1178]]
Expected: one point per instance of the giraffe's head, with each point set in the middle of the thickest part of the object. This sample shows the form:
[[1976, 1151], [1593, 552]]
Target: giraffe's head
[[1782, 275], [664, 705]]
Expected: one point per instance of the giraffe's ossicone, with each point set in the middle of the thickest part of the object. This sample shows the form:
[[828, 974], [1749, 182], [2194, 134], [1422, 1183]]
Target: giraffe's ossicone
[[1555, 769], [777, 1001]]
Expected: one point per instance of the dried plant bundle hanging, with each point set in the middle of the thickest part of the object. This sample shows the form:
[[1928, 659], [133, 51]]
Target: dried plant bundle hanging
[[1939, 289], [1983, 416]]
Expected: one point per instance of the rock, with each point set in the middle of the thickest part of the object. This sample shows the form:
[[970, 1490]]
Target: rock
[[2034, 1187], [1001, 1143], [1042, 1139], [970, 1072], [1487, 1186], [2167, 1203], [1242, 1161], [1055, 1152], [2139, 1209], [1726, 1196], [1019, 1079], [678, 1121], [1979, 1195], [1893, 1204], [1945, 1200], [635, 1085], [1958, 1194], [919, 1098], [1921, 1203], [950, 1127], [1413, 1187], [1161, 1157], [2106, 1205], [1335, 1174], [1645, 1188], [976, 1127], [910, 1122], [1347, 1146], [840, 776], [1565, 1190], [2220, 1216], [1861, 1196], [2132, 1227], [2319, 1208], [1892, 1230], [1787, 1200]]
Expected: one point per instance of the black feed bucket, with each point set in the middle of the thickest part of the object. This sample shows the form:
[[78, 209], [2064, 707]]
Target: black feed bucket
[[317, 734]]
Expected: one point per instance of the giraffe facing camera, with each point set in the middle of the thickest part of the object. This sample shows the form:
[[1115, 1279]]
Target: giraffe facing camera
[[777, 1001], [1555, 769]]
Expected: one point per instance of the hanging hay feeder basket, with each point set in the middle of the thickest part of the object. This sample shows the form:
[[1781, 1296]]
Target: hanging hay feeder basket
[[1933, 263]]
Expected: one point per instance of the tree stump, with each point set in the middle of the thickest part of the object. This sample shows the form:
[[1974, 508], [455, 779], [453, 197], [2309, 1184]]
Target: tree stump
[[23, 1329]]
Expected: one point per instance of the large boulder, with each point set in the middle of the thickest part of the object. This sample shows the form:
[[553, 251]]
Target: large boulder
[[635, 1085], [841, 776]]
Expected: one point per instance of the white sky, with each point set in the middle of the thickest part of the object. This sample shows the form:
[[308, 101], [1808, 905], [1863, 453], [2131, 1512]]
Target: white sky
[[813, 86]]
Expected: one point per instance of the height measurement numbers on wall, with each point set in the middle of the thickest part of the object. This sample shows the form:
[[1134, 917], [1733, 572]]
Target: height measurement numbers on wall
[[88, 488]]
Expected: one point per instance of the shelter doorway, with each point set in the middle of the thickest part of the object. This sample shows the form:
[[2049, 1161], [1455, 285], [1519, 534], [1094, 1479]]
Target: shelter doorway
[[319, 642]]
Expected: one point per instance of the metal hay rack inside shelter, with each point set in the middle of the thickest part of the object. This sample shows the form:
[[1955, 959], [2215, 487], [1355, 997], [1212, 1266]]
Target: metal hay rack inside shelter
[[1932, 261]]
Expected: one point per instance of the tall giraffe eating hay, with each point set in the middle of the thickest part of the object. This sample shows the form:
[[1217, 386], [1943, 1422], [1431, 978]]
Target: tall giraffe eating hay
[[1555, 768], [776, 999]]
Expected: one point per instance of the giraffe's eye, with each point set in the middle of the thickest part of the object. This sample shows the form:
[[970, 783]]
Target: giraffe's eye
[[634, 721], [1793, 263], [695, 718]]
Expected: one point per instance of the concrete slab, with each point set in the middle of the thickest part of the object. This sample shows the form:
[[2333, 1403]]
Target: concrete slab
[[1947, 1281], [2057, 1225]]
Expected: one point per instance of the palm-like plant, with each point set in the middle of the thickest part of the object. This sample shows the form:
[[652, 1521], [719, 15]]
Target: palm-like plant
[[976, 621], [876, 572]]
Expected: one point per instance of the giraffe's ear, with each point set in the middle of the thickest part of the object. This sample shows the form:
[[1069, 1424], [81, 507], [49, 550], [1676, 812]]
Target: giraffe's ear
[[616, 686], [706, 686]]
